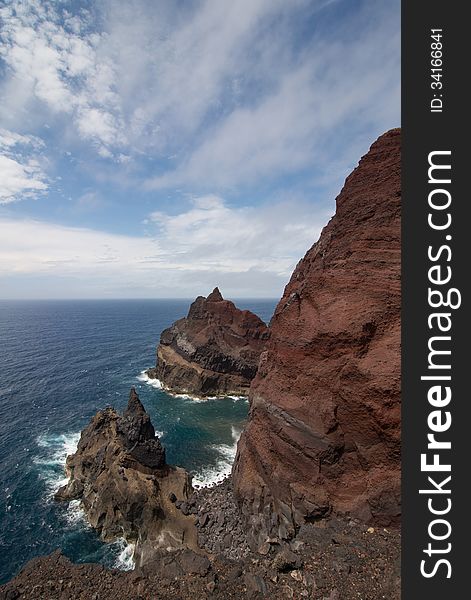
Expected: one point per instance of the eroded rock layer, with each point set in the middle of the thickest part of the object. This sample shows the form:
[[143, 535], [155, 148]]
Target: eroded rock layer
[[213, 351], [126, 488], [324, 425]]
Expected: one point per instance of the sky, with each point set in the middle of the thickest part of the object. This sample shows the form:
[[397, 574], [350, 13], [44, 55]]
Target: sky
[[156, 149]]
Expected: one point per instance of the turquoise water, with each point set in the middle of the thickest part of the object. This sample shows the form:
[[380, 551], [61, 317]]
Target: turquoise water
[[60, 362]]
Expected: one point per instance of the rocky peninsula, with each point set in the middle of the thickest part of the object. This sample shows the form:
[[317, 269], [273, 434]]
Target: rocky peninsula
[[214, 351]]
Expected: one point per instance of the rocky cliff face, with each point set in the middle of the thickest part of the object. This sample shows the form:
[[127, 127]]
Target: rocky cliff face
[[213, 351], [125, 486], [324, 425]]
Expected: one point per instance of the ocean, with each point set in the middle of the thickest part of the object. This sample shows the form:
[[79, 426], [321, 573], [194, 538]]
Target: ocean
[[61, 362]]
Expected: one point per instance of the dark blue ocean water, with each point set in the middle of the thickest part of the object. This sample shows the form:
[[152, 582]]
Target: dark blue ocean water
[[60, 362]]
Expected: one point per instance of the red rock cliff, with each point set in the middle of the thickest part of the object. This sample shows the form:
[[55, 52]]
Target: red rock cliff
[[324, 426]]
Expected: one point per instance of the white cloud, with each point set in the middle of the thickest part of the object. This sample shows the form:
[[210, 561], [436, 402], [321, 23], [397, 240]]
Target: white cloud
[[91, 201], [9, 139], [188, 66], [18, 179], [219, 84], [215, 236], [181, 255], [296, 125], [142, 73], [20, 173], [60, 66], [94, 123], [34, 247]]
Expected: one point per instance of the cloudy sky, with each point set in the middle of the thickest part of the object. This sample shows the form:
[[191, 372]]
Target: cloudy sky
[[160, 148]]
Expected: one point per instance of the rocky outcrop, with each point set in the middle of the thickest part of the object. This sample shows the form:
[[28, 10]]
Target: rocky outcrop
[[126, 488], [324, 427], [213, 351]]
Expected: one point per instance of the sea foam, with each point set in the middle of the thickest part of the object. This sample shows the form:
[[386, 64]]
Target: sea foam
[[155, 383], [51, 467], [125, 558], [211, 476]]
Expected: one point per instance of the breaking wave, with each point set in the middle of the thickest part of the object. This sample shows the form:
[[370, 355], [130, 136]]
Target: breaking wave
[[51, 462], [210, 476], [155, 383], [125, 558]]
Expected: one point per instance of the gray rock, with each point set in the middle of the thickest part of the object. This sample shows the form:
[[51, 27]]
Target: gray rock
[[163, 567], [234, 574], [255, 586], [194, 564], [203, 519], [334, 595], [286, 560], [297, 575], [264, 549]]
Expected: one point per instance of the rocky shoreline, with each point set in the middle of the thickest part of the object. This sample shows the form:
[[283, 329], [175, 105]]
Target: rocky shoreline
[[334, 559]]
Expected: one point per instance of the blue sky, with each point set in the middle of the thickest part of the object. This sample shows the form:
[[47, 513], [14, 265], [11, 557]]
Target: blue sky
[[157, 149]]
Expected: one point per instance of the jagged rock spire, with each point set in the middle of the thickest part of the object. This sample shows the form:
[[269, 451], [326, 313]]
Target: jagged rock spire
[[135, 406], [215, 296]]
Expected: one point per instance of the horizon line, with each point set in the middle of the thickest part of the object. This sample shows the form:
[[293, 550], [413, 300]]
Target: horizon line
[[132, 299]]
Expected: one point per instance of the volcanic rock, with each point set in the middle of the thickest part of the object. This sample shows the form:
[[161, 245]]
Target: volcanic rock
[[213, 351], [120, 475], [286, 560], [324, 426], [370, 566]]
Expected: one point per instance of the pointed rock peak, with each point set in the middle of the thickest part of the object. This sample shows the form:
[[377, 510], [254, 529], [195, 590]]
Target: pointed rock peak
[[215, 296], [135, 406]]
